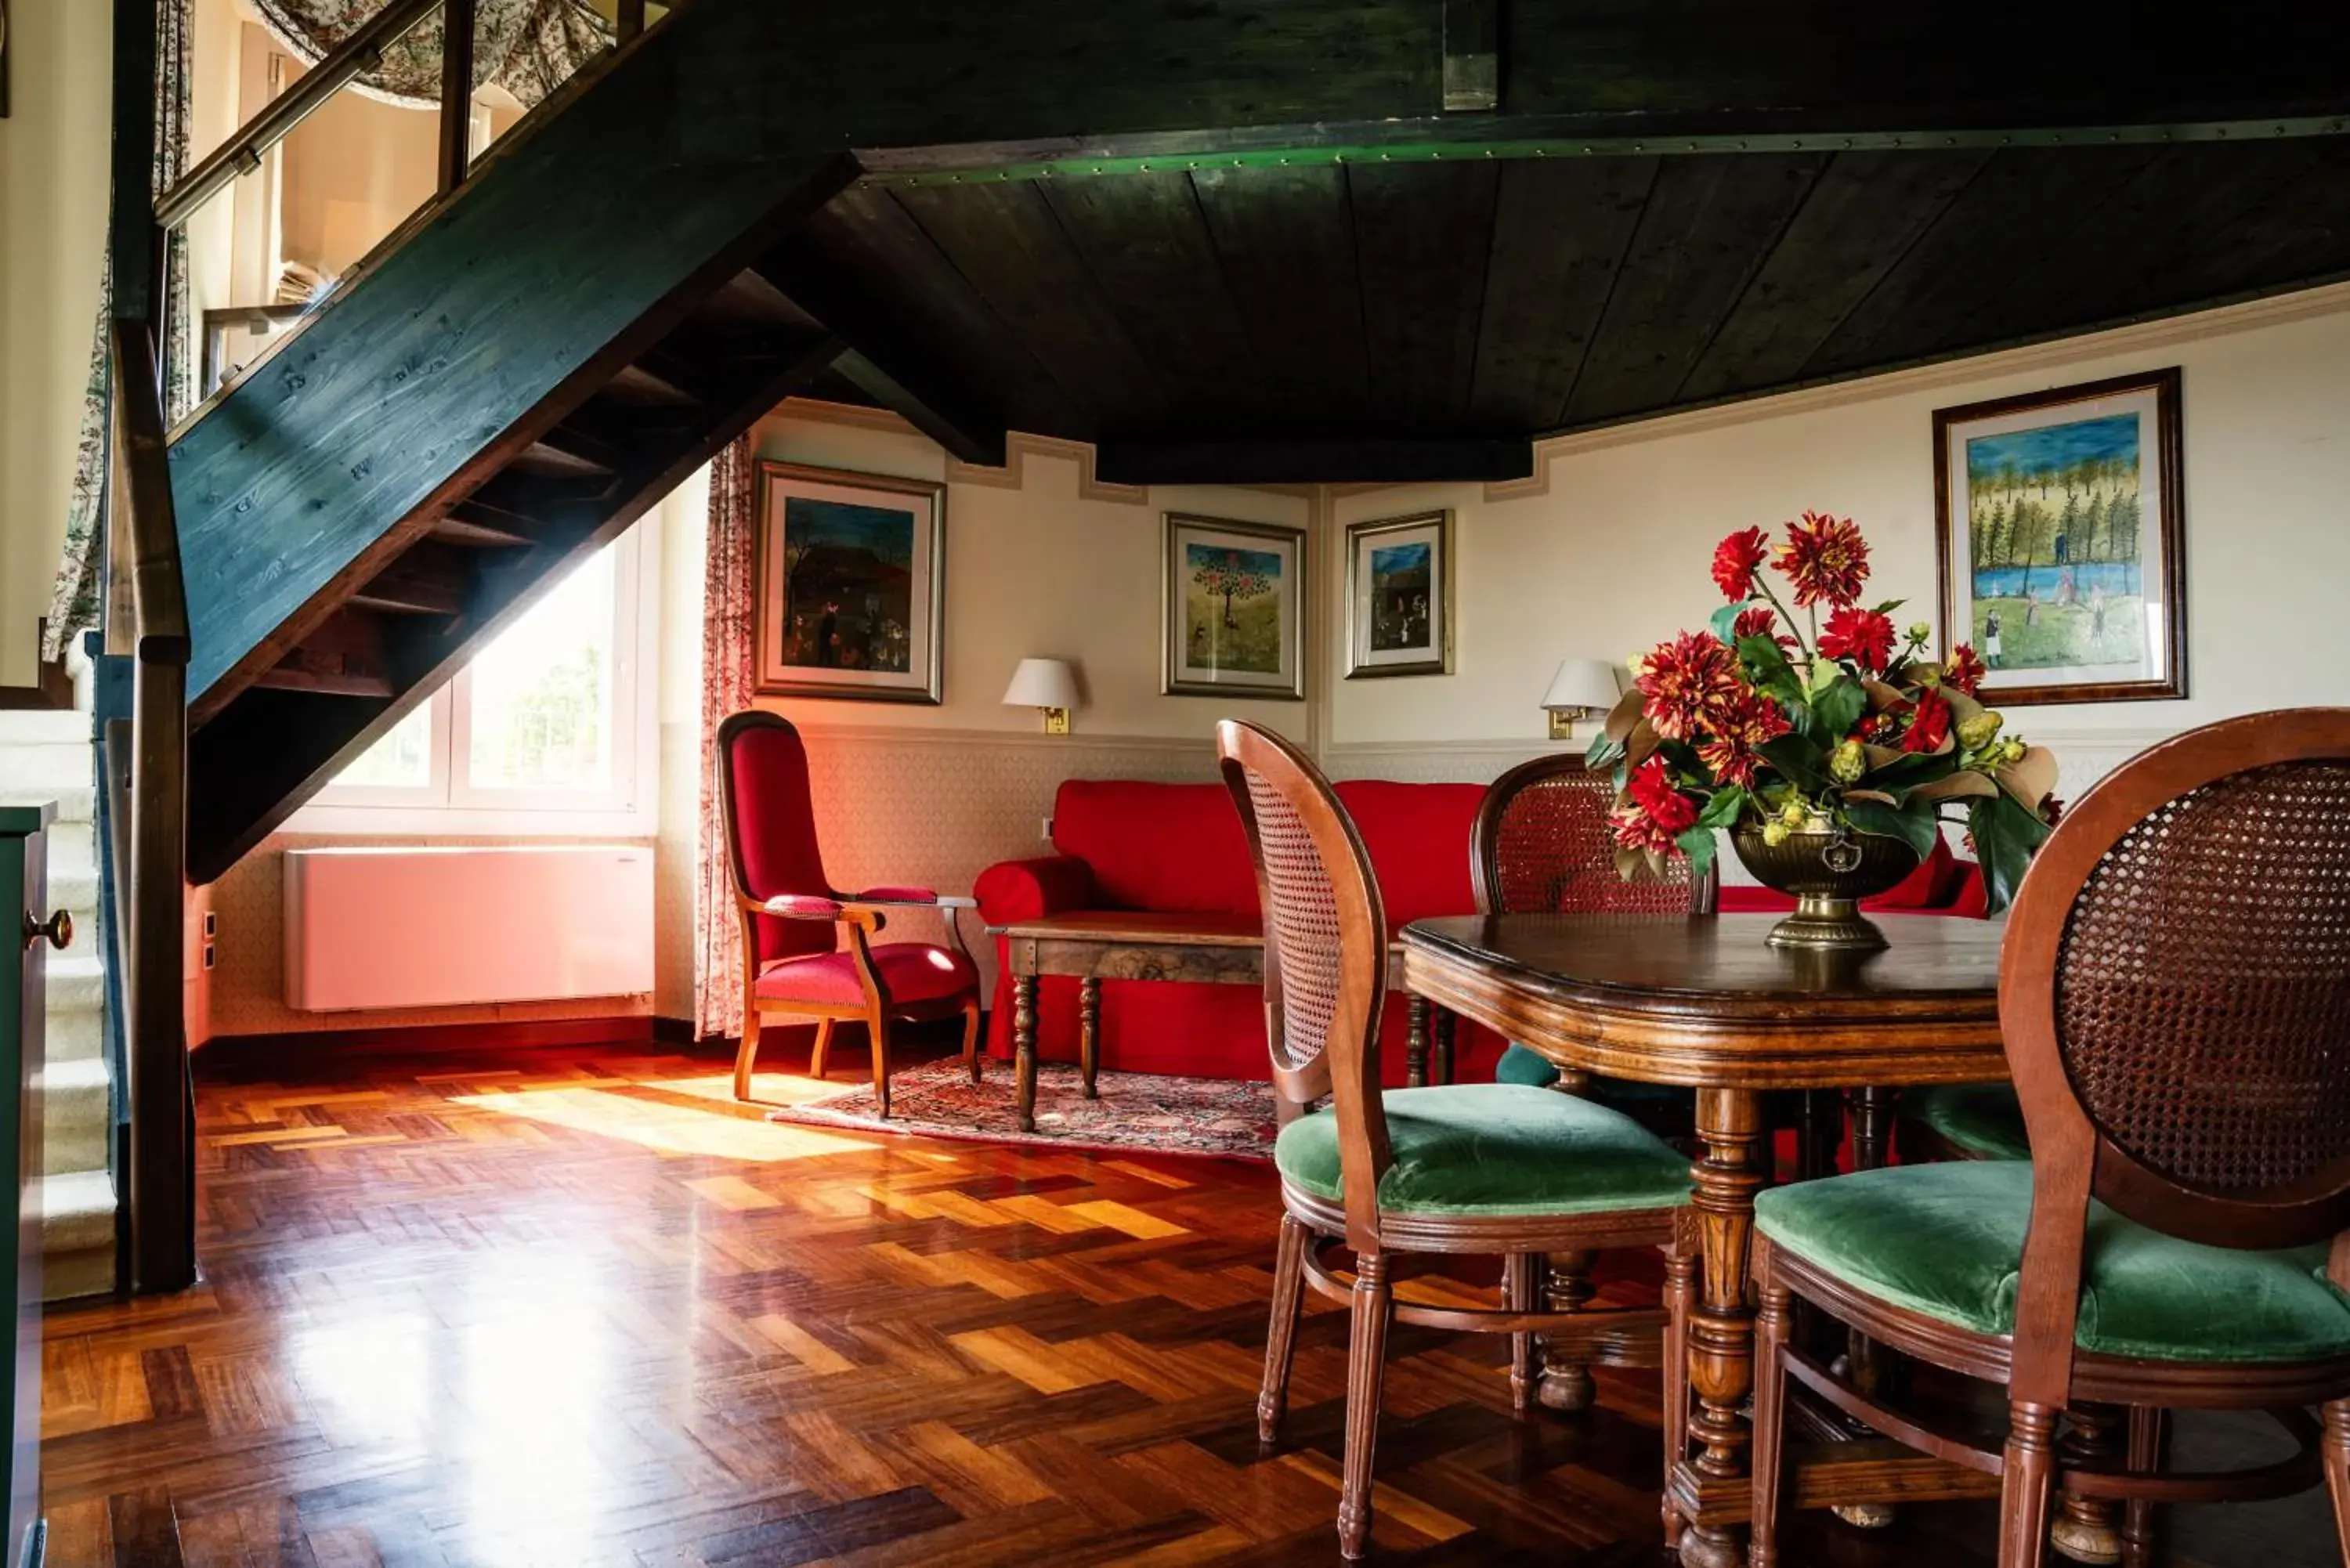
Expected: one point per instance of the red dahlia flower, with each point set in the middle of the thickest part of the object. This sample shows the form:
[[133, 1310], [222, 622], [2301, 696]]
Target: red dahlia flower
[[1761, 621], [1826, 558], [1736, 560], [1657, 815], [1929, 723], [1687, 680], [1863, 636], [1964, 669], [1743, 725]]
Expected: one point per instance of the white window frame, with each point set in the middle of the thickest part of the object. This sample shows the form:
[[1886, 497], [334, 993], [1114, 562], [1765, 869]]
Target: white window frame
[[451, 806]]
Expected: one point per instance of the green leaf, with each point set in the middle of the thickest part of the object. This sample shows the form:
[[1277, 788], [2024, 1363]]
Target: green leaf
[[1838, 707], [1797, 757], [2006, 838], [1723, 809], [1698, 845], [1913, 825], [1890, 606], [1766, 666], [1602, 752], [1725, 621], [1911, 768]]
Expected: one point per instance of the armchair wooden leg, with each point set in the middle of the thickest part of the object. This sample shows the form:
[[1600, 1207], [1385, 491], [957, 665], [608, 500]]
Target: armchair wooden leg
[[1521, 1291], [878, 1026], [1566, 1382], [2025, 1488], [747, 1053], [1769, 1423], [2148, 1429], [823, 1040], [2336, 1447], [1281, 1332], [971, 1039], [1366, 1354]]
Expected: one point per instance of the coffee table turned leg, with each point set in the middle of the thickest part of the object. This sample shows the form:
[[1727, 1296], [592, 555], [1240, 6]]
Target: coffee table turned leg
[[1415, 1041], [1089, 1030], [1024, 1047], [1722, 1326]]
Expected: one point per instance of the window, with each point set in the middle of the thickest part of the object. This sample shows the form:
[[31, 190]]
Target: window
[[547, 728]]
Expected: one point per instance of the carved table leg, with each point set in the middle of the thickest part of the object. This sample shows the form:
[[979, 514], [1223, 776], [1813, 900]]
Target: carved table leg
[[2088, 1529], [1444, 1022], [1024, 1046], [1566, 1382], [1089, 1030], [1415, 1041], [1865, 1364], [1721, 1327]]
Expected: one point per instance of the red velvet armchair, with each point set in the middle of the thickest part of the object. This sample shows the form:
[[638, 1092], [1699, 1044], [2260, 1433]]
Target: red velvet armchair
[[793, 965]]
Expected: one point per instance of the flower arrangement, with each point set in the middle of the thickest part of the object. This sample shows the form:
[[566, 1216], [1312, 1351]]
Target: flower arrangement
[[1766, 725]]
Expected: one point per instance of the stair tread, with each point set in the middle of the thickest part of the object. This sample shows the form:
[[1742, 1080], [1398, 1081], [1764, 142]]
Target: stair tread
[[66, 1077], [74, 801], [43, 726], [77, 1209]]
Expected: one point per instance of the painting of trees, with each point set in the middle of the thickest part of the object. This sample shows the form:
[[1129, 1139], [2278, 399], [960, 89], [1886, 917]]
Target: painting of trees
[[1232, 576]]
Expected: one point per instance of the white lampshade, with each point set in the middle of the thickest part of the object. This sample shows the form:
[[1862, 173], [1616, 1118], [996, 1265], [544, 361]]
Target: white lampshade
[[1582, 685], [1042, 683]]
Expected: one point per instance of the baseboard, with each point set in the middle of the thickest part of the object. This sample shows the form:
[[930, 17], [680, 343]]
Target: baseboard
[[422, 1039]]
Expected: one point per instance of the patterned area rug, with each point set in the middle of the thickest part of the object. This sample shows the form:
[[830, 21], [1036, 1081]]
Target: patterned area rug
[[1135, 1111]]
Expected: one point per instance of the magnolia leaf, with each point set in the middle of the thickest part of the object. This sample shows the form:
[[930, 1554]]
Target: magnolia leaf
[[1721, 809], [1698, 845], [2006, 835], [1878, 796], [1896, 769], [1629, 861], [1643, 744], [1962, 784], [1917, 669], [1799, 759], [1657, 863], [1602, 753], [1838, 707], [1724, 624], [2030, 778], [1962, 707], [1913, 825], [1882, 756], [1882, 695], [1625, 713]]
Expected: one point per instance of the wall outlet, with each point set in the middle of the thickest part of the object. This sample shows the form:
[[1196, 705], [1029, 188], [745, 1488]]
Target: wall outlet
[[1048, 830]]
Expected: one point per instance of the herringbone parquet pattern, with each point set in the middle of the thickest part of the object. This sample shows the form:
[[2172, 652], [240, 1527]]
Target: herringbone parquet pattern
[[575, 1307]]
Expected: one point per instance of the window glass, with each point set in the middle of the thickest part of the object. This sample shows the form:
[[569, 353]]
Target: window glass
[[541, 695], [402, 759]]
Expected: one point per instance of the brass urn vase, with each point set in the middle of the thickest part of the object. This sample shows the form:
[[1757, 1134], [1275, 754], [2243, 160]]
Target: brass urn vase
[[1829, 869]]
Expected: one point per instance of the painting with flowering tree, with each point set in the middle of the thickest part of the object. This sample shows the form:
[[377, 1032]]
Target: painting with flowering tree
[[1801, 709], [1234, 599]]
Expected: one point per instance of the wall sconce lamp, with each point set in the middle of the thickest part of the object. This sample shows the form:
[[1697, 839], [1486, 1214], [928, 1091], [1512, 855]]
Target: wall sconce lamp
[[1047, 684], [1581, 687]]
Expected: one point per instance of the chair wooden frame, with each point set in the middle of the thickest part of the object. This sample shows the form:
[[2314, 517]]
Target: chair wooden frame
[[1344, 1065], [858, 920], [1564, 1279], [2074, 1159]]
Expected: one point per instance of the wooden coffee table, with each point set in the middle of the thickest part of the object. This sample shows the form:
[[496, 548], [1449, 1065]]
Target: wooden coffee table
[[1214, 949]]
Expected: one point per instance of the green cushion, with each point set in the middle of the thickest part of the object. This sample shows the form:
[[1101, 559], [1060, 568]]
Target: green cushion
[[1497, 1149], [1982, 1121], [1946, 1240], [1520, 1066]]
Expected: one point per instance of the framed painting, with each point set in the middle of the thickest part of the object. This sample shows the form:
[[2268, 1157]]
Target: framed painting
[[2059, 524], [851, 600], [1232, 609], [1400, 596]]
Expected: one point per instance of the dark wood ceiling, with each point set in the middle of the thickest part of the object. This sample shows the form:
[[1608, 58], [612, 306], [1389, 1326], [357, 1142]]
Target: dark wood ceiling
[[1365, 317]]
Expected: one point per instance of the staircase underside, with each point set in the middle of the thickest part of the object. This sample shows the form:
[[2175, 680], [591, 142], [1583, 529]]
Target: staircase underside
[[1239, 241]]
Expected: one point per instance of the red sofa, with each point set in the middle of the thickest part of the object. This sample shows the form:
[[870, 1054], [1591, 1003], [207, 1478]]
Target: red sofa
[[1179, 848]]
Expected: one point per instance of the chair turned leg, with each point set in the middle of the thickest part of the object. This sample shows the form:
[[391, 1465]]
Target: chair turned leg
[[2025, 1490], [2148, 1428], [878, 1028], [1281, 1333], [823, 1040], [1367, 1353], [970, 1040], [1566, 1382], [1520, 1288], [1769, 1422], [1681, 1292], [747, 1054], [2338, 1470]]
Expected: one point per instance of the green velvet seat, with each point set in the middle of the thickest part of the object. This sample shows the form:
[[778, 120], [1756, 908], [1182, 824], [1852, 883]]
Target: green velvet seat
[[1520, 1066], [1981, 1121], [1497, 1148], [1946, 1241]]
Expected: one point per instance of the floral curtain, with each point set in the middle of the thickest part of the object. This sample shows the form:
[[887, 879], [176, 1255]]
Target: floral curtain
[[726, 688], [74, 598], [529, 48]]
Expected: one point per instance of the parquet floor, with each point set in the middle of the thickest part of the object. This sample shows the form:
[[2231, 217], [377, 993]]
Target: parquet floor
[[575, 1307]]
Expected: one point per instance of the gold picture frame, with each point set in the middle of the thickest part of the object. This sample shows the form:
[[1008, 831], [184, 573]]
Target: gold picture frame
[[1231, 609], [1400, 596]]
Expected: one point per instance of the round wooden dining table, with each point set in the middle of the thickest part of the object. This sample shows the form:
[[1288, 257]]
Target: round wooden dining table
[[1705, 1003]]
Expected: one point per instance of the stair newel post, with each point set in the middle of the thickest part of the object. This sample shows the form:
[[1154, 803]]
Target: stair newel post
[[456, 92]]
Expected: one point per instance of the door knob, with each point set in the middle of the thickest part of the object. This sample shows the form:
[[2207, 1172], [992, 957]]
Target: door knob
[[58, 928]]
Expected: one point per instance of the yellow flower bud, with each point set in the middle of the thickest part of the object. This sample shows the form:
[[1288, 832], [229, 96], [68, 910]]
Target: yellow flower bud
[[1976, 732], [1794, 814], [1920, 632], [1775, 834], [2010, 750], [1848, 763]]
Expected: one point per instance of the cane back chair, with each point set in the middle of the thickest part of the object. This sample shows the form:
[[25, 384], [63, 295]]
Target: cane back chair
[[2175, 994], [793, 965], [1469, 1169]]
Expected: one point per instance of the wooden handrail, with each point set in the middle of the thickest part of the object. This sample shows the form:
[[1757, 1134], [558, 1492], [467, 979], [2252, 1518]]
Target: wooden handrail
[[159, 1185], [360, 53]]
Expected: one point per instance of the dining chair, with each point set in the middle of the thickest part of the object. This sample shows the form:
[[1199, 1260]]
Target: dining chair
[[2175, 998], [1541, 844], [1454, 1169], [795, 925]]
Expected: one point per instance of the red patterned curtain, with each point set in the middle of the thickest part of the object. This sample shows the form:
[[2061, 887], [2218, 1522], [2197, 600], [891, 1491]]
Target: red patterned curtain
[[726, 685]]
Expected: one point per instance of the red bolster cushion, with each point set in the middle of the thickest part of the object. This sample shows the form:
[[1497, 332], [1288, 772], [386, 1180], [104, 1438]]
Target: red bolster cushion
[[1029, 889], [1920, 889]]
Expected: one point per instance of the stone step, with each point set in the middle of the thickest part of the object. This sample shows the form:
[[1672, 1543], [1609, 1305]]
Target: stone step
[[75, 1117], [43, 726], [77, 1234]]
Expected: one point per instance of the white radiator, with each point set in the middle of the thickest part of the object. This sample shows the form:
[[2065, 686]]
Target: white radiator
[[417, 927]]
